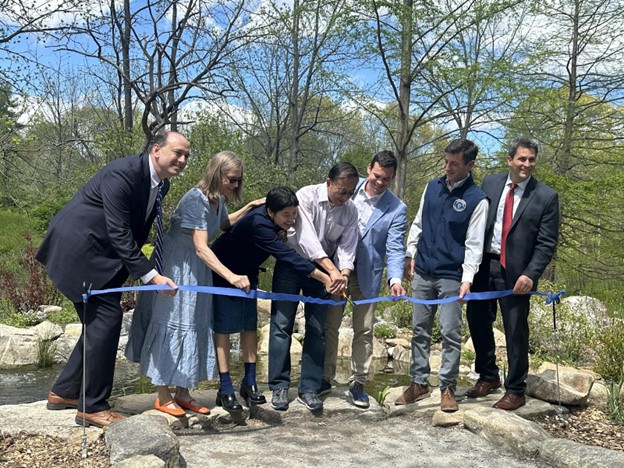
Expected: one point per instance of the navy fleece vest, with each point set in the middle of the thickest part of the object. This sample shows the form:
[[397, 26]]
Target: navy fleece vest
[[445, 219]]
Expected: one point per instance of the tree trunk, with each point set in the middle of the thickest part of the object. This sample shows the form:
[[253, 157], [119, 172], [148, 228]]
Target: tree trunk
[[403, 137]]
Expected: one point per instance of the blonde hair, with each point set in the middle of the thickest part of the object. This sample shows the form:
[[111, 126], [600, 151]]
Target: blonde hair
[[218, 166]]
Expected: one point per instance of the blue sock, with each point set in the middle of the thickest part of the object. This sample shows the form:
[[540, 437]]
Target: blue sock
[[226, 387], [250, 374]]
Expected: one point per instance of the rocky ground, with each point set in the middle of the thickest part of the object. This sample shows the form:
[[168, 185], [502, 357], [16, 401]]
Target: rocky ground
[[44, 451], [589, 426]]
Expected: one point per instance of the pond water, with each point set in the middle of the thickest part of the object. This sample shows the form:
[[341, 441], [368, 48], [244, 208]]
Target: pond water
[[32, 384]]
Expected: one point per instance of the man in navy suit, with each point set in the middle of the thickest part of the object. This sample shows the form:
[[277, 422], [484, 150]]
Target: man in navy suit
[[515, 263], [382, 220], [96, 240]]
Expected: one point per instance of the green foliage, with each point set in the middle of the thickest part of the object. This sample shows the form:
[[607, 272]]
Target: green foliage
[[66, 315], [399, 313], [24, 285], [467, 355], [13, 230], [45, 353], [380, 396], [610, 355], [569, 342], [615, 405], [49, 204], [384, 330]]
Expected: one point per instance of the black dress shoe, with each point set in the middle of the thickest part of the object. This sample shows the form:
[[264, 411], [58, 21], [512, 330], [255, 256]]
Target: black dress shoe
[[229, 402], [252, 394]]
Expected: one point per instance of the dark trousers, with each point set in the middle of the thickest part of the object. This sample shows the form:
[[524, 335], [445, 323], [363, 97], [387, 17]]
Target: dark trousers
[[283, 314], [482, 314], [103, 325]]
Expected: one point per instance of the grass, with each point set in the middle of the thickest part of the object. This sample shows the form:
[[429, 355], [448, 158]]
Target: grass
[[616, 405]]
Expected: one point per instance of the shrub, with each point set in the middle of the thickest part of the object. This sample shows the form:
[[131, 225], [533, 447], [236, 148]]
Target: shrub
[[26, 292], [610, 352], [384, 330], [615, 405], [45, 353], [569, 342]]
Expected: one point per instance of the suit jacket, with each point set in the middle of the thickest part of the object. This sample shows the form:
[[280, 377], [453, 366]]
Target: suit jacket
[[534, 231], [102, 229], [383, 238], [247, 244]]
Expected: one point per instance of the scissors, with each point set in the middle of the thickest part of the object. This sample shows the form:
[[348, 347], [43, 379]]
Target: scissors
[[346, 298]]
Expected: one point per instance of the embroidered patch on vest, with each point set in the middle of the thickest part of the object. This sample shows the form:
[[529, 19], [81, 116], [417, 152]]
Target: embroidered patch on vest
[[459, 205]]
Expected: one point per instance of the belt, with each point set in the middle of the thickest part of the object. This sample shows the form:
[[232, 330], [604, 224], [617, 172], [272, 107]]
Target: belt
[[492, 256]]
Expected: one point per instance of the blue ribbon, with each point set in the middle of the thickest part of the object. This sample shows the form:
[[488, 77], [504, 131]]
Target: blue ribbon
[[259, 294]]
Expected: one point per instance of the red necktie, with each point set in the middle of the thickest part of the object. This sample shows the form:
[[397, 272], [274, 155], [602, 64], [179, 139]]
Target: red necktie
[[507, 217]]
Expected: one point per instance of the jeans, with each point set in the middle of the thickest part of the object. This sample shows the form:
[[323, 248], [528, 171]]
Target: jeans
[[428, 287], [283, 314]]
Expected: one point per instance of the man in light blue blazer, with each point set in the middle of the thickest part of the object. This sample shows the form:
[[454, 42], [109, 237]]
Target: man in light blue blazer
[[382, 224]]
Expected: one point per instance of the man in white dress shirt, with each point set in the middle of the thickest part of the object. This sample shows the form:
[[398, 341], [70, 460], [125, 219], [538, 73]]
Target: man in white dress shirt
[[326, 233], [382, 224], [444, 250]]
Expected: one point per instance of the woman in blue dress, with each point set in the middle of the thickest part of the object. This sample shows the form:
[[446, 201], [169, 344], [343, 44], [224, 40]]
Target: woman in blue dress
[[242, 249], [176, 348]]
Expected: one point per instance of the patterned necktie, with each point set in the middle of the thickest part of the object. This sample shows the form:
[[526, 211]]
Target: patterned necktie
[[158, 249], [507, 217]]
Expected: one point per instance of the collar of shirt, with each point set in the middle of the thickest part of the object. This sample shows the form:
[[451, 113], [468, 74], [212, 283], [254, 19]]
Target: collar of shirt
[[521, 186], [154, 179], [459, 183], [365, 197]]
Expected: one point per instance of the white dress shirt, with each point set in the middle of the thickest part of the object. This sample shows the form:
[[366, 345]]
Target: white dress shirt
[[475, 234], [324, 230], [495, 245], [366, 206]]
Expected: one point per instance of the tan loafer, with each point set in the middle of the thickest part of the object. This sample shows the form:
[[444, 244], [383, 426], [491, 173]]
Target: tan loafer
[[99, 419], [57, 402]]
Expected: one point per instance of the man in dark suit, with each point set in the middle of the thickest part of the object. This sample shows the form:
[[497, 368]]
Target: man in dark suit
[[95, 240], [520, 241]]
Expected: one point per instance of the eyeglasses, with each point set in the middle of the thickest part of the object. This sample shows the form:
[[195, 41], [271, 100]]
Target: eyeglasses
[[234, 180]]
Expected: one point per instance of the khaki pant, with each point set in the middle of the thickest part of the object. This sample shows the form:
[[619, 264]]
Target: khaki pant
[[362, 346]]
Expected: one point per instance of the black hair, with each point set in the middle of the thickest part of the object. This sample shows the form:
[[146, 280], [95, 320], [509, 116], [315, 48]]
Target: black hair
[[279, 198], [466, 147], [385, 159], [343, 170], [522, 142]]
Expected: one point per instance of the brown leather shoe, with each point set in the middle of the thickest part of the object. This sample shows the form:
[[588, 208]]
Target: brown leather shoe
[[510, 402], [483, 388], [99, 419], [413, 393], [56, 402], [447, 401]]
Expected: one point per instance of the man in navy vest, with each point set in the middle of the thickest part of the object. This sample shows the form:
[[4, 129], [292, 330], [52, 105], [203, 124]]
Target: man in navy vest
[[444, 250]]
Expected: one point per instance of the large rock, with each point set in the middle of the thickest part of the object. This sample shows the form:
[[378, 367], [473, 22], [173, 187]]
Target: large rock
[[508, 430], [143, 435], [345, 342], [18, 347], [499, 339], [566, 453], [263, 344], [140, 461], [574, 387], [48, 331], [588, 307], [399, 353]]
